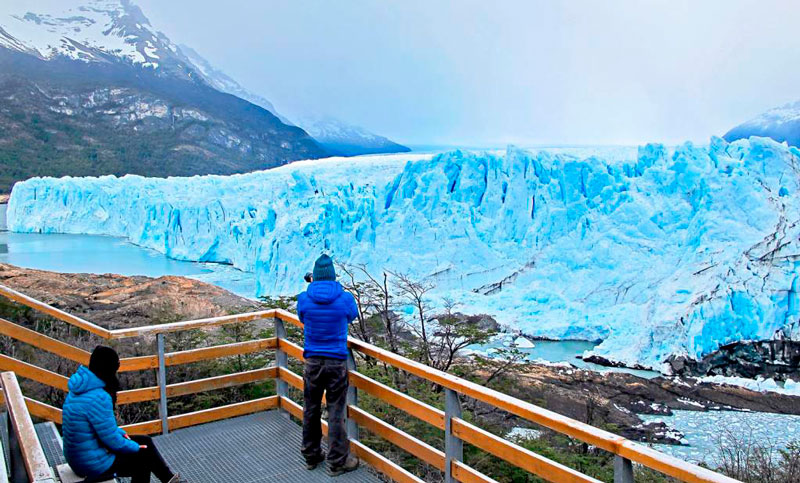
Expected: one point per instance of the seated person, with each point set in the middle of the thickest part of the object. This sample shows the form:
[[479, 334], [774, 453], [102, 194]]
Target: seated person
[[94, 446]]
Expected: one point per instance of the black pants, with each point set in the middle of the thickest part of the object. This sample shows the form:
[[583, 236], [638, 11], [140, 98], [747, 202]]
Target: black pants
[[326, 375], [138, 466]]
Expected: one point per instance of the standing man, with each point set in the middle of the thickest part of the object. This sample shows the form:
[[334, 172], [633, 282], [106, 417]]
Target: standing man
[[326, 311]]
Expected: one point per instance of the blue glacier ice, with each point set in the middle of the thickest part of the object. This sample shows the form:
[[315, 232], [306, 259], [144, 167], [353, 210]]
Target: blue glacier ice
[[668, 250]]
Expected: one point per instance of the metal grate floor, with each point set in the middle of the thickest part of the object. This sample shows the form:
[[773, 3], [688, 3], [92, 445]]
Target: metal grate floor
[[258, 447], [51, 443]]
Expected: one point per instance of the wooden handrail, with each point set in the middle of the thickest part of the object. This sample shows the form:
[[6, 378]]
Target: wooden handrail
[[602, 439], [32, 453], [198, 385], [34, 373], [41, 341], [418, 409], [205, 415], [54, 312], [518, 456], [292, 349], [140, 363], [191, 324], [610, 442], [465, 474], [414, 446]]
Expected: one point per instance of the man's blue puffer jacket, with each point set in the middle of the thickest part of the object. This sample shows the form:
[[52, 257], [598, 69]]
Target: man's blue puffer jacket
[[90, 431], [326, 310]]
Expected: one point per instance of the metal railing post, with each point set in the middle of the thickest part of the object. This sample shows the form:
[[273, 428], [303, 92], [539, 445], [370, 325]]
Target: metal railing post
[[162, 385], [453, 447], [352, 398], [16, 468], [623, 470], [281, 359]]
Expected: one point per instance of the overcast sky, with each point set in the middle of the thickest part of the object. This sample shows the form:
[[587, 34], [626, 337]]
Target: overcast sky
[[479, 73]]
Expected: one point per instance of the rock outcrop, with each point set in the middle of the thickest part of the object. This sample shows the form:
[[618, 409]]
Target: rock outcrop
[[116, 301], [775, 359]]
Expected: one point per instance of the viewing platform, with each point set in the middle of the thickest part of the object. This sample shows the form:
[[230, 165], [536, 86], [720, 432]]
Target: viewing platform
[[261, 447], [258, 439]]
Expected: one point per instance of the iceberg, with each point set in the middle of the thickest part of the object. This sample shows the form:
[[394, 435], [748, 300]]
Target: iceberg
[[666, 250]]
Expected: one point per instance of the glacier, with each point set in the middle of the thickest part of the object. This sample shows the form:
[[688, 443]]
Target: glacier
[[653, 251]]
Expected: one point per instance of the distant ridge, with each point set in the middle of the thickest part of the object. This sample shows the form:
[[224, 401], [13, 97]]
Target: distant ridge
[[339, 137], [781, 124]]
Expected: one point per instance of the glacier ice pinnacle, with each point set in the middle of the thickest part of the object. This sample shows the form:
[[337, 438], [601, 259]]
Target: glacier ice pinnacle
[[674, 250]]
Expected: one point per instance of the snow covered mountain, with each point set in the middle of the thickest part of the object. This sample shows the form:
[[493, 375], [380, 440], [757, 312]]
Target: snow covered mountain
[[336, 136], [781, 124], [91, 88], [345, 139], [98, 31], [224, 83], [668, 251]]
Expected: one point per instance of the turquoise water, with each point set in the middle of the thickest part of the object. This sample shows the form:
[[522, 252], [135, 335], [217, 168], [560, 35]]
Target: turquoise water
[[565, 351], [103, 254]]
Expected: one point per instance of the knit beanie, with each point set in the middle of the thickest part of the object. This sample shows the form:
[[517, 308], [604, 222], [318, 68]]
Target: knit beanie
[[323, 269], [104, 363]]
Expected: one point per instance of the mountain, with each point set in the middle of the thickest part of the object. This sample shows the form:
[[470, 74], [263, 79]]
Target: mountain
[[224, 83], [92, 89], [657, 252], [781, 124], [344, 139], [336, 136]]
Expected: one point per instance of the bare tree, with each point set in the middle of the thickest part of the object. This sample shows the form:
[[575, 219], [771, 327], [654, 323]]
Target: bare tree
[[360, 293], [503, 361], [452, 335], [380, 298], [415, 293]]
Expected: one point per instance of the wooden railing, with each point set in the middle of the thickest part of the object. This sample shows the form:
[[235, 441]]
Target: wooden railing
[[457, 431], [27, 458]]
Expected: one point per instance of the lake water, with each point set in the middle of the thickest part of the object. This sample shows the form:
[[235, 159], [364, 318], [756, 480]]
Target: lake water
[[104, 254], [563, 351]]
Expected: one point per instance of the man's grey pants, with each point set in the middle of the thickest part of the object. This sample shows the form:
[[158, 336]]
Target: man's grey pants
[[327, 375]]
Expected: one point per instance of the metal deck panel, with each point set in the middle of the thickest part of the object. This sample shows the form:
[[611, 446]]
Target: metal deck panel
[[261, 447], [51, 443]]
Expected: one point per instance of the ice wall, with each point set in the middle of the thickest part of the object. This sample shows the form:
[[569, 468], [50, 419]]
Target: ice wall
[[668, 251]]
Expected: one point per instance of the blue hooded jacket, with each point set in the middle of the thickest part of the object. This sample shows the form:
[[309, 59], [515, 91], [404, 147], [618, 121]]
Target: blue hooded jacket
[[89, 428], [326, 310]]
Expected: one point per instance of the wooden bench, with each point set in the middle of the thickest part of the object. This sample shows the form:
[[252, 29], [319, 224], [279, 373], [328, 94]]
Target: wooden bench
[[66, 475]]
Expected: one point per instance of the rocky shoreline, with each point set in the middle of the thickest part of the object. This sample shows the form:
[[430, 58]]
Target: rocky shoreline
[[610, 399], [617, 399]]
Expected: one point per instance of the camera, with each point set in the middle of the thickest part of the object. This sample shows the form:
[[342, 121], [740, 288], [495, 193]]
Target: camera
[[308, 277]]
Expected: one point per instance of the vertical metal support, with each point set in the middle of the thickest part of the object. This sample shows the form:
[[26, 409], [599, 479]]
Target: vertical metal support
[[352, 398], [16, 471], [162, 385], [281, 359], [6, 421], [453, 447], [623, 470]]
